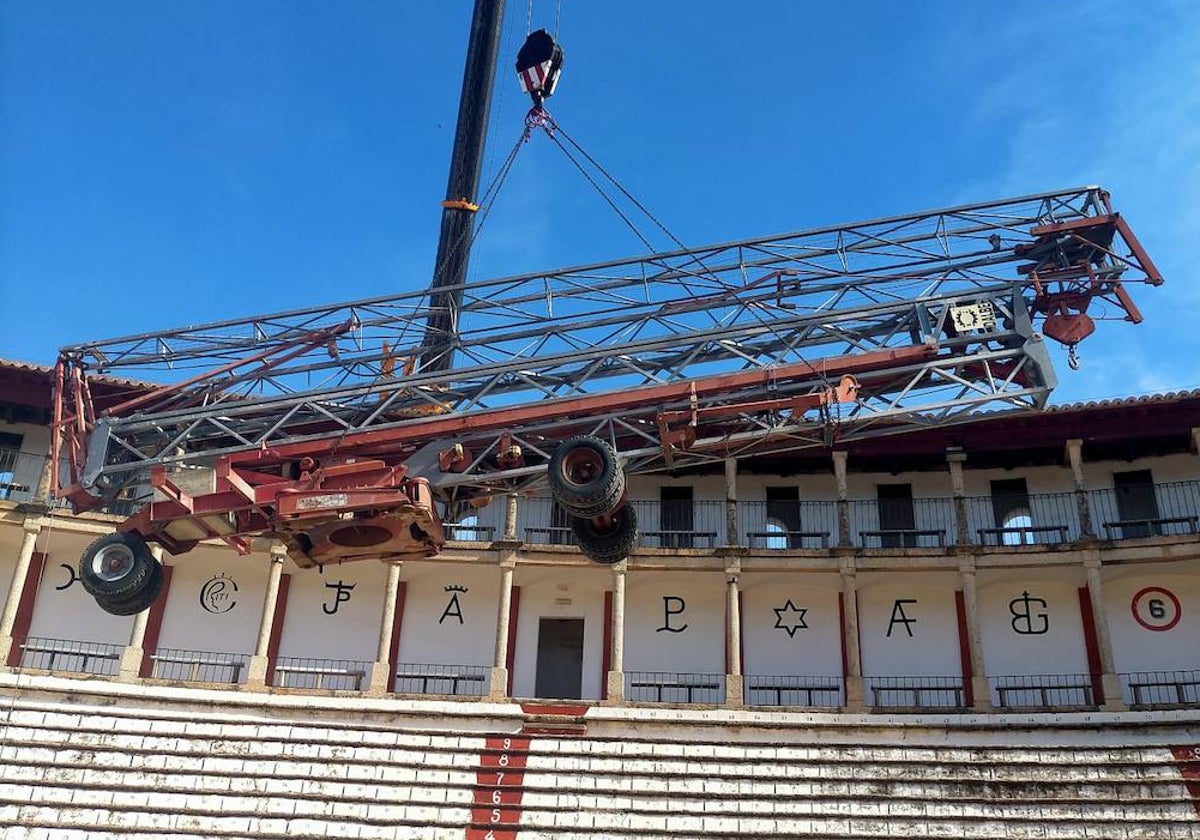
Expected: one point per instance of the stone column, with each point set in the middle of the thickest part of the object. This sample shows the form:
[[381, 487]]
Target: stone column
[[135, 651], [733, 639], [616, 676], [1114, 699], [498, 685], [854, 682], [962, 530], [510, 518], [979, 685], [382, 669], [843, 501], [256, 673], [31, 528], [1075, 459], [731, 503]]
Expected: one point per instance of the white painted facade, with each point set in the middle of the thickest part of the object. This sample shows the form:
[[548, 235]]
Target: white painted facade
[[675, 622], [1041, 636], [790, 624], [215, 601], [443, 624], [320, 626]]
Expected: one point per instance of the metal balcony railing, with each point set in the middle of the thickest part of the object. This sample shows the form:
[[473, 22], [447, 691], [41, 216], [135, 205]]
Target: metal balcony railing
[[19, 474], [673, 687], [71, 656], [452, 680], [1161, 689], [915, 692], [907, 523], [334, 674], [811, 691], [1043, 691], [199, 666]]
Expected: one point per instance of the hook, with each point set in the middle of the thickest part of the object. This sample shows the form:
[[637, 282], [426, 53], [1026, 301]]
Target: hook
[[1072, 358]]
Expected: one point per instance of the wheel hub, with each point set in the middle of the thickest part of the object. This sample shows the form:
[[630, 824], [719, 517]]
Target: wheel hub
[[113, 563]]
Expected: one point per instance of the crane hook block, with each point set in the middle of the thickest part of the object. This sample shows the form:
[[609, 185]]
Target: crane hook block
[[539, 61]]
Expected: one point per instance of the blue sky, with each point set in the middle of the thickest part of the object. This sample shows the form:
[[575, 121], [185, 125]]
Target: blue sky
[[164, 164]]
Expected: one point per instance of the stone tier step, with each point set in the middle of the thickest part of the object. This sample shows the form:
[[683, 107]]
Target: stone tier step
[[107, 771]]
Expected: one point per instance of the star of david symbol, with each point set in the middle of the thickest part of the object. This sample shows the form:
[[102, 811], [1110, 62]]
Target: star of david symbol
[[789, 617]]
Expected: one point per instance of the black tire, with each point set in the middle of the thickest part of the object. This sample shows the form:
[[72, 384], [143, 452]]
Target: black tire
[[584, 476], [117, 567], [613, 545], [136, 603]]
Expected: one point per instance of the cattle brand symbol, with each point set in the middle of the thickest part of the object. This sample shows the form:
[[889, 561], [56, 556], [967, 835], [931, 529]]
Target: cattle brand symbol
[[342, 592], [1024, 621], [789, 617], [71, 577], [217, 595], [1156, 608], [900, 617], [672, 605], [453, 608]]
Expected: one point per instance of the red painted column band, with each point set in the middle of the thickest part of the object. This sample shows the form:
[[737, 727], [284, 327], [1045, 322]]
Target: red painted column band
[[606, 657], [842, 635], [394, 643], [514, 611], [964, 649], [285, 581], [1092, 642], [154, 624]]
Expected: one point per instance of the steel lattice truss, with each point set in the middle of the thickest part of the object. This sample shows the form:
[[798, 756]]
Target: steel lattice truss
[[676, 358]]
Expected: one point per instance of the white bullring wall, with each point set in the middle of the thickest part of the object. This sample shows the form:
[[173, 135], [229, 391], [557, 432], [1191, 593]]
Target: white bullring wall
[[545, 592], [230, 625], [1137, 648], [423, 640], [317, 626], [1060, 649], [1166, 468], [932, 649], [814, 649], [700, 647]]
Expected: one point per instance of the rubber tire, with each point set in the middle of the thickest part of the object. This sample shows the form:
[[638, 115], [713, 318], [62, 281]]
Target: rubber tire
[[608, 547], [136, 603], [135, 581], [598, 496]]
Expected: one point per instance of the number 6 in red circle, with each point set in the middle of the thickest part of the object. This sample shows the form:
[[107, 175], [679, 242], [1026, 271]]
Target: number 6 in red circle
[[1156, 608]]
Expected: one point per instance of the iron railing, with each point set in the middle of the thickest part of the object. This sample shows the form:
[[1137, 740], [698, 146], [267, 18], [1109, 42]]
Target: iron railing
[[779, 525], [673, 687], [1161, 689], [812, 691], [71, 656], [1037, 519], [906, 523], [334, 674], [915, 692], [1043, 691], [451, 680], [19, 475], [199, 666]]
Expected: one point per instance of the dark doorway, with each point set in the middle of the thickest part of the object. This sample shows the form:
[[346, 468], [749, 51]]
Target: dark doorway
[[560, 525], [896, 514], [1136, 501], [1010, 506], [679, 515], [560, 659]]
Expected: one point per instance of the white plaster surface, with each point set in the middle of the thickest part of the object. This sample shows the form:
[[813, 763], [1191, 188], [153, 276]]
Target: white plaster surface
[[811, 649], [226, 619], [699, 647], [317, 626], [548, 592], [434, 633]]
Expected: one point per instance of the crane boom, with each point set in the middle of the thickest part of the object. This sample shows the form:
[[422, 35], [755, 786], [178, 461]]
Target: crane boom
[[674, 360]]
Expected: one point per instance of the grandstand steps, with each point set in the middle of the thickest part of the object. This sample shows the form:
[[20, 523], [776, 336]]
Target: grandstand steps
[[80, 769]]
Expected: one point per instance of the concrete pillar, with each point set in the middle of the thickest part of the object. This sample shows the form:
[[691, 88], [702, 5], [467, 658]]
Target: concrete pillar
[[616, 674], [498, 686], [731, 503], [1196, 440], [843, 500], [256, 673], [955, 458], [733, 639], [17, 586], [510, 518], [1114, 700], [979, 685], [382, 669], [1075, 459], [854, 682], [131, 657]]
